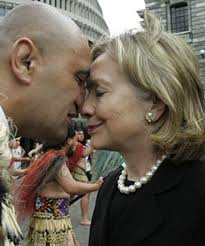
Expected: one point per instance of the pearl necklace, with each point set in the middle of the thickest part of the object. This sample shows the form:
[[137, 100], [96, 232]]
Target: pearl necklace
[[138, 184]]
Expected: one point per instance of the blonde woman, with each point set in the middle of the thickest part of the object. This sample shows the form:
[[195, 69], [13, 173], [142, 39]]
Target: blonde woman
[[145, 100]]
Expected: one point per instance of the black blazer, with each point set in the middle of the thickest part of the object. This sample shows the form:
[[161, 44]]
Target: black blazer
[[167, 211]]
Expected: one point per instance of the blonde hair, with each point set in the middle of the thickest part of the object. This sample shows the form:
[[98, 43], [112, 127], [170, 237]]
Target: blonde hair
[[162, 66]]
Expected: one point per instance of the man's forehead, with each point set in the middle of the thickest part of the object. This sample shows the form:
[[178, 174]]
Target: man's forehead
[[83, 62], [80, 45]]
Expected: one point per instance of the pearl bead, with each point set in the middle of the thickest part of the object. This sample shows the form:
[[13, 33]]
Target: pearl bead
[[126, 190], [137, 185], [143, 180], [132, 188], [149, 174], [122, 177], [124, 165], [123, 172], [120, 186], [154, 168]]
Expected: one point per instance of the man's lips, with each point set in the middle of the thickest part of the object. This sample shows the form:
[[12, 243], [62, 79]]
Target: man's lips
[[70, 117], [91, 128]]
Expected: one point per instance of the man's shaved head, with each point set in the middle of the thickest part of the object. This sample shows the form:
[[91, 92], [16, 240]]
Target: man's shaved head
[[44, 62], [39, 22]]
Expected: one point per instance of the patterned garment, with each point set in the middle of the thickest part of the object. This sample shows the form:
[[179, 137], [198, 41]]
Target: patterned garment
[[56, 206], [51, 224]]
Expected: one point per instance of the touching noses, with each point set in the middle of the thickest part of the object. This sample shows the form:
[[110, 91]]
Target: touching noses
[[88, 108]]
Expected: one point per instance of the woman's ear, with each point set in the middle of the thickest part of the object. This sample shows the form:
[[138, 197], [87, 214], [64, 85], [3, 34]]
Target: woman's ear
[[157, 109]]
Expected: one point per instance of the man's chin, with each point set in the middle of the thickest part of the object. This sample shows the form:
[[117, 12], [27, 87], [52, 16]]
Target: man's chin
[[53, 137], [57, 137]]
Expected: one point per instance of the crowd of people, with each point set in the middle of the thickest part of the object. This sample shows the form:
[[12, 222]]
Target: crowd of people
[[45, 188], [142, 96]]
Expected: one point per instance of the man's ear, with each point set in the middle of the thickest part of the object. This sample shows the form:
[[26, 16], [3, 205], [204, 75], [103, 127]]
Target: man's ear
[[23, 60]]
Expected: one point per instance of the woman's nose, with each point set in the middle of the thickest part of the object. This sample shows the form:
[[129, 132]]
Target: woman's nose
[[88, 108]]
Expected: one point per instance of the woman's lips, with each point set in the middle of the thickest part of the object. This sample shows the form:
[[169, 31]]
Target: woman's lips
[[92, 128]]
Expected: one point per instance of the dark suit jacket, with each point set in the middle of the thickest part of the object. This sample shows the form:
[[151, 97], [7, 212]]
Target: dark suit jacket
[[167, 211]]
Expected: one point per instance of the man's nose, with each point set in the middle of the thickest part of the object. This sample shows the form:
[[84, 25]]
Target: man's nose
[[80, 99], [74, 111]]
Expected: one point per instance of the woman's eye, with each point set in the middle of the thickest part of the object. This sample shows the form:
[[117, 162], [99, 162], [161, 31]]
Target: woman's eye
[[99, 93]]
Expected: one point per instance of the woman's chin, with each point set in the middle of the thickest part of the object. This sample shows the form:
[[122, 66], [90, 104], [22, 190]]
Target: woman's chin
[[96, 144]]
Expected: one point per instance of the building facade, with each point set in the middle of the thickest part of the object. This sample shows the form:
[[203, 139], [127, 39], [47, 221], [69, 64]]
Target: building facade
[[185, 18], [87, 14]]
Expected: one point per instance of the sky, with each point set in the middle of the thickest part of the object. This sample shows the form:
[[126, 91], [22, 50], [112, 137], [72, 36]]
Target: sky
[[121, 15]]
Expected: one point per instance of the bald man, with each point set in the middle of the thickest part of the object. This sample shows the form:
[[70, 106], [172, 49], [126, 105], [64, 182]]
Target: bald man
[[44, 62]]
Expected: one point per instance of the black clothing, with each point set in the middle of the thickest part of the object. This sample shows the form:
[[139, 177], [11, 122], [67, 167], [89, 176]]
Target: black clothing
[[168, 210]]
